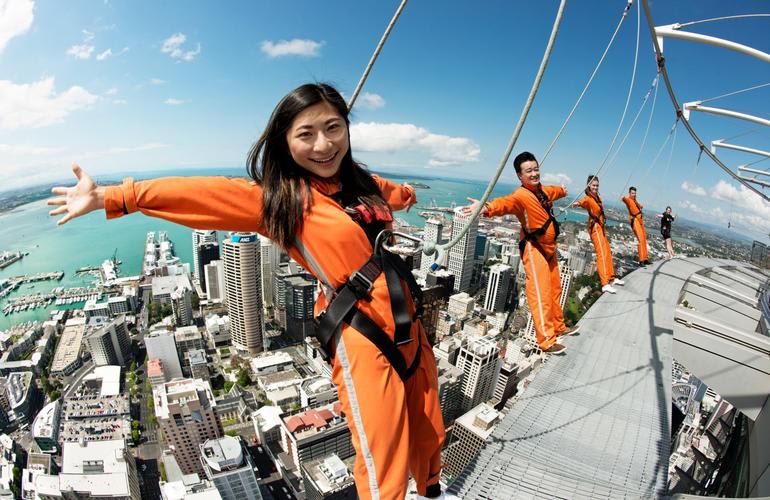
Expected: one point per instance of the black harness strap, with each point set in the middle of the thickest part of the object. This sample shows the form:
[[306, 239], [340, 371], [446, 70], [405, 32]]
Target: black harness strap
[[638, 213], [535, 235], [593, 220]]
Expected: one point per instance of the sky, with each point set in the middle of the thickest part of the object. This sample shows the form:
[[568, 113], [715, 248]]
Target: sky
[[128, 86]]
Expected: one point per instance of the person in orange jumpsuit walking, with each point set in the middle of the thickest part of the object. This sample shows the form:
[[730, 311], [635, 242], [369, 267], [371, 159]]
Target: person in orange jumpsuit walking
[[636, 219], [532, 204], [325, 210], [592, 203]]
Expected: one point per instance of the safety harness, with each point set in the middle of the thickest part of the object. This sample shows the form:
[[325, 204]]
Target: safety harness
[[593, 219], [535, 235], [342, 305], [638, 211]]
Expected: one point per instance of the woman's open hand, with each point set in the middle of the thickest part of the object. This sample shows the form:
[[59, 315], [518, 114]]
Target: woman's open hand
[[80, 199]]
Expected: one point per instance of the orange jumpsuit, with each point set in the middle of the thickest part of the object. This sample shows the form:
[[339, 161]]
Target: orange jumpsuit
[[543, 285], [396, 426], [596, 221], [637, 225]]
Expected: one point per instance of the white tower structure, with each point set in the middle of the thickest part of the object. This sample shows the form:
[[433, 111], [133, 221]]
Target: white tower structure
[[498, 287], [480, 362], [461, 256], [243, 289], [200, 236], [431, 232]]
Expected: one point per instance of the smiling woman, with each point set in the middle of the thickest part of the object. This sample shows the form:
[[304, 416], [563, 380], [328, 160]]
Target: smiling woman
[[328, 213]]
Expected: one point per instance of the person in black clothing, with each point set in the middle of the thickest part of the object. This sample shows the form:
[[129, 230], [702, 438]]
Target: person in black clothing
[[665, 229]]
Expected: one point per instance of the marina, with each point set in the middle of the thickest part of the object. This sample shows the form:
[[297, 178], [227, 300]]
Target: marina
[[58, 296], [8, 258]]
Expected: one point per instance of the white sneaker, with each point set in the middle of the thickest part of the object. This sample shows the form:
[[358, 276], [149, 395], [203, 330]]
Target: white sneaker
[[618, 281], [608, 289]]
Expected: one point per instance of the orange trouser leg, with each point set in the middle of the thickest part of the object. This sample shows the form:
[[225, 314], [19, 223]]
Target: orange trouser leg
[[539, 294], [603, 255], [426, 425], [641, 238], [557, 313], [387, 418]]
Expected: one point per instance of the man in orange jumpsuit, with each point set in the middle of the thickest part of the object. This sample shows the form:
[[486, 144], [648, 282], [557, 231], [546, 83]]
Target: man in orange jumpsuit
[[532, 204], [637, 223], [592, 203]]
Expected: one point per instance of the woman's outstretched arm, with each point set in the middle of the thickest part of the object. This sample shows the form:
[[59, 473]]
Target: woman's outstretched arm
[[217, 203]]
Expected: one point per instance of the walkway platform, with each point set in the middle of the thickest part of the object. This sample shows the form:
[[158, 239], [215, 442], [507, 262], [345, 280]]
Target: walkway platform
[[594, 423]]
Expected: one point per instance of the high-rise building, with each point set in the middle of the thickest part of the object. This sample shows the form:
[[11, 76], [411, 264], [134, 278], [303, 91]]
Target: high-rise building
[[270, 259], [450, 380], [431, 233], [243, 289], [215, 281], [462, 255], [281, 274], [760, 255], [469, 433], [200, 237], [228, 465], [434, 299], [300, 300], [498, 287], [460, 305], [329, 478], [506, 384], [92, 469], [480, 363], [162, 345], [187, 338], [185, 412], [181, 306], [315, 434], [109, 342], [207, 253]]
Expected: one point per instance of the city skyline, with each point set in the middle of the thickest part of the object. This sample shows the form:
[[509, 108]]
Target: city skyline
[[120, 92]]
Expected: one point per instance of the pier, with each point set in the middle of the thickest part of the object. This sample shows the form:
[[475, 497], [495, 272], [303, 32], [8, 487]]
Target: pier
[[8, 258]]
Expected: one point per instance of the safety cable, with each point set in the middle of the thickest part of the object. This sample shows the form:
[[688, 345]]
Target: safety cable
[[588, 84], [656, 83], [723, 18], [428, 247], [733, 93], [668, 165], [375, 54], [563, 210], [662, 66], [662, 147]]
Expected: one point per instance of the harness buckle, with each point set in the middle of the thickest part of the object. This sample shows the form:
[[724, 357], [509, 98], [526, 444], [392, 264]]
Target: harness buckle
[[360, 285]]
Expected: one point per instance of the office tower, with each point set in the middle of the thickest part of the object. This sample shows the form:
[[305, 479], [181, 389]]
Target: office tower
[[228, 465], [431, 232], [498, 287], [461, 305], [299, 300], [206, 253], [315, 434], [506, 384], [434, 299], [468, 436], [281, 274], [215, 280], [480, 364], [109, 342], [461, 256], [92, 469], [162, 345], [760, 255], [243, 289], [185, 412], [187, 338], [450, 381], [181, 306], [270, 259], [578, 260], [199, 237], [329, 478]]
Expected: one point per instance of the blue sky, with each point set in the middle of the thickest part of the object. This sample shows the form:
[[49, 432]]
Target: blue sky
[[126, 86]]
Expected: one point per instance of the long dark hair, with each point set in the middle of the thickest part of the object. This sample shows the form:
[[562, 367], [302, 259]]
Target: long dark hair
[[286, 194], [590, 179]]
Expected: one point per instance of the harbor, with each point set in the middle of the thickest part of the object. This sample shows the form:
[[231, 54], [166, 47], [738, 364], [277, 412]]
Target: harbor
[[8, 258], [58, 296]]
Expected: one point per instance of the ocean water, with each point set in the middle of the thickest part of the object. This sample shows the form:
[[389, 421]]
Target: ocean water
[[89, 240]]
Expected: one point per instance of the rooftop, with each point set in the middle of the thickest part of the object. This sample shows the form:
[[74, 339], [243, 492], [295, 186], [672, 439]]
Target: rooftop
[[180, 391], [108, 378], [46, 421], [70, 343], [223, 453], [315, 420]]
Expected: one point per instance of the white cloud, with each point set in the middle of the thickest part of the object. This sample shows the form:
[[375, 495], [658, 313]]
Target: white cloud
[[557, 178], [173, 47], [83, 51], [371, 101], [15, 19], [157, 81], [394, 137], [119, 101], [173, 102], [111, 91], [28, 150], [87, 35], [688, 205], [36, 104], [295, 47], [693, 189], [104, 55], [149, 146]]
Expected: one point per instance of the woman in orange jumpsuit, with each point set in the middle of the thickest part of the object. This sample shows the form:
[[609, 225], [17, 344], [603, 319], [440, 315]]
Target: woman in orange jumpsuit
[[592, 203], [304, 178], [637, 223], [532, 203]]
